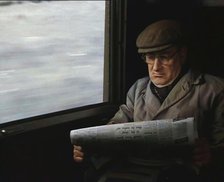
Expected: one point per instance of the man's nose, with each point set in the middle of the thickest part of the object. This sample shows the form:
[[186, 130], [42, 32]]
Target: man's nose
[[157, 64]]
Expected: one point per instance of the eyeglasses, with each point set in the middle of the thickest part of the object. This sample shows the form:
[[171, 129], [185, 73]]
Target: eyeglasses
[[164, 58]]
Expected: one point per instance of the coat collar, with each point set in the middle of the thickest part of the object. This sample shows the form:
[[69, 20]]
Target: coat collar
[[181, 89]]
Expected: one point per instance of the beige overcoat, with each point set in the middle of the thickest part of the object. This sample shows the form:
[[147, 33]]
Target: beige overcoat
[[195, 95]]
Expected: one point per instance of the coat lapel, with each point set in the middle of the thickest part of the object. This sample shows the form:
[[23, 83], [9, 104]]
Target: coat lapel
[[152, 103], [180, 90]]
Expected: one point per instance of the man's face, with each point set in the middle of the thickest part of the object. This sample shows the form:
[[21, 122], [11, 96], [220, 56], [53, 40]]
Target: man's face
[[164, 66]]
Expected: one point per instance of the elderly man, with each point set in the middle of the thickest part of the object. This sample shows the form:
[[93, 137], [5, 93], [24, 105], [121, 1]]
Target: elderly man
[[174, 91]]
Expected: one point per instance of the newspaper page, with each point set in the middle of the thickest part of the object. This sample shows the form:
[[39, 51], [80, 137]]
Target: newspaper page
[[149, 133]]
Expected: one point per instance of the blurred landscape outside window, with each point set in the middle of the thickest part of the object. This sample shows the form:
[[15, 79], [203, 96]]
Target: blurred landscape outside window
[[51, 56]]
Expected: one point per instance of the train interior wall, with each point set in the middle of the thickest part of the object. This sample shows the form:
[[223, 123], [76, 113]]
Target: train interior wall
[[45, 155], [204, 24], [42, 155]]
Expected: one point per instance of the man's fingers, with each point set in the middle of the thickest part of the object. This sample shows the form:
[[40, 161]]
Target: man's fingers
[[77, 153], [76, 147], [78, 159]]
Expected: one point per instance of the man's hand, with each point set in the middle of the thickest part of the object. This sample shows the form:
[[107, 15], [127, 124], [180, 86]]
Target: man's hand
[[78, 154], [202, 153]]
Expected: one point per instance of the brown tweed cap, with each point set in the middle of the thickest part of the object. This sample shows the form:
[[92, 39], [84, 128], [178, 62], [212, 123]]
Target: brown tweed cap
[[159, 36]]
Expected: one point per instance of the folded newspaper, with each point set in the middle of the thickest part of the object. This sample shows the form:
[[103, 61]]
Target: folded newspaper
[[167, 132]]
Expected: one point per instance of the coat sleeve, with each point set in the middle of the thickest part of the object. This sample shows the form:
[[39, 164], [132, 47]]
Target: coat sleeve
[[217, 147], [218, 123], [126, 111]]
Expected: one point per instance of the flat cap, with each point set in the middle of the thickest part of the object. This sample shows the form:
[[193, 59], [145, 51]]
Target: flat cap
[[159, 36]]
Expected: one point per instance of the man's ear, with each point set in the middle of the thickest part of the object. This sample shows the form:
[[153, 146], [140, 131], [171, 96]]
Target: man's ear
[[183, 54]]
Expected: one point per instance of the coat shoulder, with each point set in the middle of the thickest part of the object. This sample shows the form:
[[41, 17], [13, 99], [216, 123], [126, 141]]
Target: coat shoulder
[[217, 83], [139, 86]]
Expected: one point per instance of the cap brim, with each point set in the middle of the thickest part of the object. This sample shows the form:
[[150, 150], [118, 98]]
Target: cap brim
[[154, 49]]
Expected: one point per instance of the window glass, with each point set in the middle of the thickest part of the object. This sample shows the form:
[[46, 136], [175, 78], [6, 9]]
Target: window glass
[[51, 56]]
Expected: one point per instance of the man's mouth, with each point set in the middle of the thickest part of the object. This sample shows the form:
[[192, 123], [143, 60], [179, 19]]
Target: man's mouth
[[158, 75]]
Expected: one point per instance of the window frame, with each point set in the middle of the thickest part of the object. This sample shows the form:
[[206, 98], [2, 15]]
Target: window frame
[[114, 81]]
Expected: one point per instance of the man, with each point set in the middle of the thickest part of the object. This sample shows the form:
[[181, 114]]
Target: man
[[174, 91]]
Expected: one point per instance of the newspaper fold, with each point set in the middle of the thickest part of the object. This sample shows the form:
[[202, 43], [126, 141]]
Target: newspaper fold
[[167, 132]]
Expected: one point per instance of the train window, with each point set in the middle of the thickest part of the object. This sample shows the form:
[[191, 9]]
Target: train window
[[52, 56], [56, 61]]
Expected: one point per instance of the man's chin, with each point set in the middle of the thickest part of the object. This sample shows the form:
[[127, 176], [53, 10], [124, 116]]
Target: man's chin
[[159, 83]]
